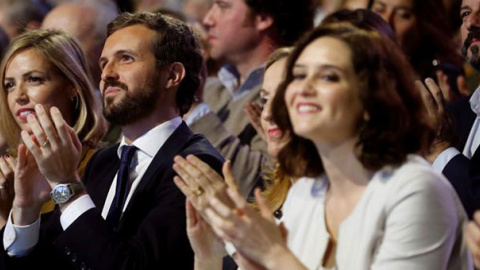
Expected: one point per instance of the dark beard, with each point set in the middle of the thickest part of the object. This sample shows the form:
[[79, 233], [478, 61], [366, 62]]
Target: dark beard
[[132, 107], [474, 59]]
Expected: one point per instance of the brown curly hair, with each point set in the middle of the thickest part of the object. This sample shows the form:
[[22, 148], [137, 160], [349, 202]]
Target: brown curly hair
[[397, 123]]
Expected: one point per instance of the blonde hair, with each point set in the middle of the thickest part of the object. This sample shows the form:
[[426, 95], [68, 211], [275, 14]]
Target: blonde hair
[[64, 53], [277, 183]]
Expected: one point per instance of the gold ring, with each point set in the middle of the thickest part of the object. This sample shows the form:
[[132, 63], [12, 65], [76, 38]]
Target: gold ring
[[44, 143], [197, 192]]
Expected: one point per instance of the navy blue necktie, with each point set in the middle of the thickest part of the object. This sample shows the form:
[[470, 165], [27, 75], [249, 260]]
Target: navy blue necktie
[[123, 186]]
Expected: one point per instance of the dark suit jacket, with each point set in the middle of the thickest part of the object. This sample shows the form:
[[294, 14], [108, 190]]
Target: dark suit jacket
[[464, 173], [151, 234]]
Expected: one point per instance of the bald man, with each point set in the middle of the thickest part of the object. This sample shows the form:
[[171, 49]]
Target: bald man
[[88, 22]]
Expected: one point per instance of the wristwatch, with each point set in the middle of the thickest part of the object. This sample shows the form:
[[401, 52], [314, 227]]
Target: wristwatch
[[62, 193]]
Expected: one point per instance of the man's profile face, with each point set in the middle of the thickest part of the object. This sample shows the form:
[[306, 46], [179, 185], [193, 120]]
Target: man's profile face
[[231, 29], [130, 82], [470, 31]]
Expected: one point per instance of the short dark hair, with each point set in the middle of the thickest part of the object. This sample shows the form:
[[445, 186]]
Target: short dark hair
[[397, 120], [292, 19], [175, 42]]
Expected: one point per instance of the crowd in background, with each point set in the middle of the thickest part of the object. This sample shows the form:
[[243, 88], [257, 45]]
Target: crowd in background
[[240, 134]]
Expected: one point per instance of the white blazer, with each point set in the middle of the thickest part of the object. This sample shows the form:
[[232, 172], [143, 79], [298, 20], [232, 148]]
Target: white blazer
[[408, 218]]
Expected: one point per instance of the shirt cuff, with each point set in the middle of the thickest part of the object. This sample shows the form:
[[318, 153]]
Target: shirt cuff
[[444, 158], [20, 240], [230, 249], [198, 112], [75, 210]]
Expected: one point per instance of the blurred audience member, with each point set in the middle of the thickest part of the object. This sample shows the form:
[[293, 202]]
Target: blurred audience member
[[277, 183], [196, 9], [459, 160], [425, 35], [88, 23], [19, 16], [273, 76], [242, 34]]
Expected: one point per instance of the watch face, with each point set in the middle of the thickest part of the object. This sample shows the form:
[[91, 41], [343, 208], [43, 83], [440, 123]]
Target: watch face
[[61, 194]]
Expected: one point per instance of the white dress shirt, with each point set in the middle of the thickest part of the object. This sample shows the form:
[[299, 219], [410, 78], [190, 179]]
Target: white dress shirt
[[473, 140], [19, 240], [407, 218]]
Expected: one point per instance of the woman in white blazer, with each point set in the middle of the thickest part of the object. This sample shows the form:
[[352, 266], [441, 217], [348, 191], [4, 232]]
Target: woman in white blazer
[[371, 201]]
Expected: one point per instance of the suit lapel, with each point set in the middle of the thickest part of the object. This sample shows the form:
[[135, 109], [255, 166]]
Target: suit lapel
[[163, 160], [104, 174], [476, 159]]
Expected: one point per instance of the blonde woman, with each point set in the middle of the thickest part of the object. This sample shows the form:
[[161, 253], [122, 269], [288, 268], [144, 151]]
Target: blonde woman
[[48, 68]]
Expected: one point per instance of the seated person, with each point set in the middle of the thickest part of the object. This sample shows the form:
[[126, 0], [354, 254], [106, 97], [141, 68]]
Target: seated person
[[47, 68]]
